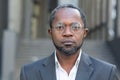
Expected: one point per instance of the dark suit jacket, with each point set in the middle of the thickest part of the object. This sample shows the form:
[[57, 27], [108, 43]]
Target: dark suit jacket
[[89, 69]]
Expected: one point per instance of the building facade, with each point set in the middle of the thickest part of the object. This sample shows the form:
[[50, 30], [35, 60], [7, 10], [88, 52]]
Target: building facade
[[28, 19]]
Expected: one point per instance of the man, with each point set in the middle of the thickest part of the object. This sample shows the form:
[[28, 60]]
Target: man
[[68, 62]]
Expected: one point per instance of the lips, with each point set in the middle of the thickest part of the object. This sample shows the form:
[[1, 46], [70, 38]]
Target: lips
[[68, 42]]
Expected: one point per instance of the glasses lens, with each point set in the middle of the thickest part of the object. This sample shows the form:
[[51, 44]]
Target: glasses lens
[[74, 27], [60, 27]]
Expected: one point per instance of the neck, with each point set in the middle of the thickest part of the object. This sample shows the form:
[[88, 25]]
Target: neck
[[67, 62]]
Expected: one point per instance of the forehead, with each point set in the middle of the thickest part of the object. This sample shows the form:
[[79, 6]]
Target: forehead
[[67, 14]]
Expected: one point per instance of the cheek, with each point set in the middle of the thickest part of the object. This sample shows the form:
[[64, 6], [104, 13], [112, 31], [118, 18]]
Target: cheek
[[79, 39], [56, 38]]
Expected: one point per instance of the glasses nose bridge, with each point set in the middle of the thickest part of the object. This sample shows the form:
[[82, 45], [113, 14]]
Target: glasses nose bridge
[[67, 29]]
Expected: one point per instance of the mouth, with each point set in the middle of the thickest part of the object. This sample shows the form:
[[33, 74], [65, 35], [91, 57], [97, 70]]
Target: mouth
[[68, 43]]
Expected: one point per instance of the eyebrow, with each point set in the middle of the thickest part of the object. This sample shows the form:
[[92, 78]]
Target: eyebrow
[[71, 23]]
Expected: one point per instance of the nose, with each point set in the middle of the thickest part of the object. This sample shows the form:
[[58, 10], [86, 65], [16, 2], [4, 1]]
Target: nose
[[67, 32]]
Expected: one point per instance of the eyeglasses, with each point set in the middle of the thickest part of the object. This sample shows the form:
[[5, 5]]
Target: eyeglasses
[[74, 27]]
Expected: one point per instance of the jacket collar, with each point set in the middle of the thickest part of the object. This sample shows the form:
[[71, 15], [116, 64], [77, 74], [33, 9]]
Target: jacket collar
[[85, 68], [48, 71]]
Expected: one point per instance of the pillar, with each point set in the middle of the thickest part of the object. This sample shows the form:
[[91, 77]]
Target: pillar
[[10, 38], [28, 11], [15, 15], [110, 19], [118, 17]]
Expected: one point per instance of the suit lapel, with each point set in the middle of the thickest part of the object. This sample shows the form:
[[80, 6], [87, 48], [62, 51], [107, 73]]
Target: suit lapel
[[84, 72], [85, 68], [48, 71]]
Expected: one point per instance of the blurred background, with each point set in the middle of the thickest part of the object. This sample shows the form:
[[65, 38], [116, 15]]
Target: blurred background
[[24, 38]]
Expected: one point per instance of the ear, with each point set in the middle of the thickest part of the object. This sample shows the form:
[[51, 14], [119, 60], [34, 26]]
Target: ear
[[50, 31], [86, 32]]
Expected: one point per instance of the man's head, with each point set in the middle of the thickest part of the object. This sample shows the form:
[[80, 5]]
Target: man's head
[[52, 16], [67, 29]]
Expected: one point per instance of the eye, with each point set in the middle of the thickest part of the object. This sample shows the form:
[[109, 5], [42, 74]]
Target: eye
[[60, 27], [75, 27]]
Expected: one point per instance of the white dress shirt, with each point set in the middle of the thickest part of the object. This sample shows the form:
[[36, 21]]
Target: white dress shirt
[[61, 74]]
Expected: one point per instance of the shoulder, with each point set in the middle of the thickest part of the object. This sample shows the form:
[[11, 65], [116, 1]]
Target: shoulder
[[37, 65], [102, 68], [101, 64], [32, 71], [98, 62], [34, 65]]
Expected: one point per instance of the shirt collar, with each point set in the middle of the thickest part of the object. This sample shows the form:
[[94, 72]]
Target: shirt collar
[[76, 63]]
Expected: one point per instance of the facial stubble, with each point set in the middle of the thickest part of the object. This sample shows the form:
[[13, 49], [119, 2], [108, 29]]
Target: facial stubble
[[70, 51]]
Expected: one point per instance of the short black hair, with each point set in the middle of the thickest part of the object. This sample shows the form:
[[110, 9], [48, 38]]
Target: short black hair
[[52, 15]]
